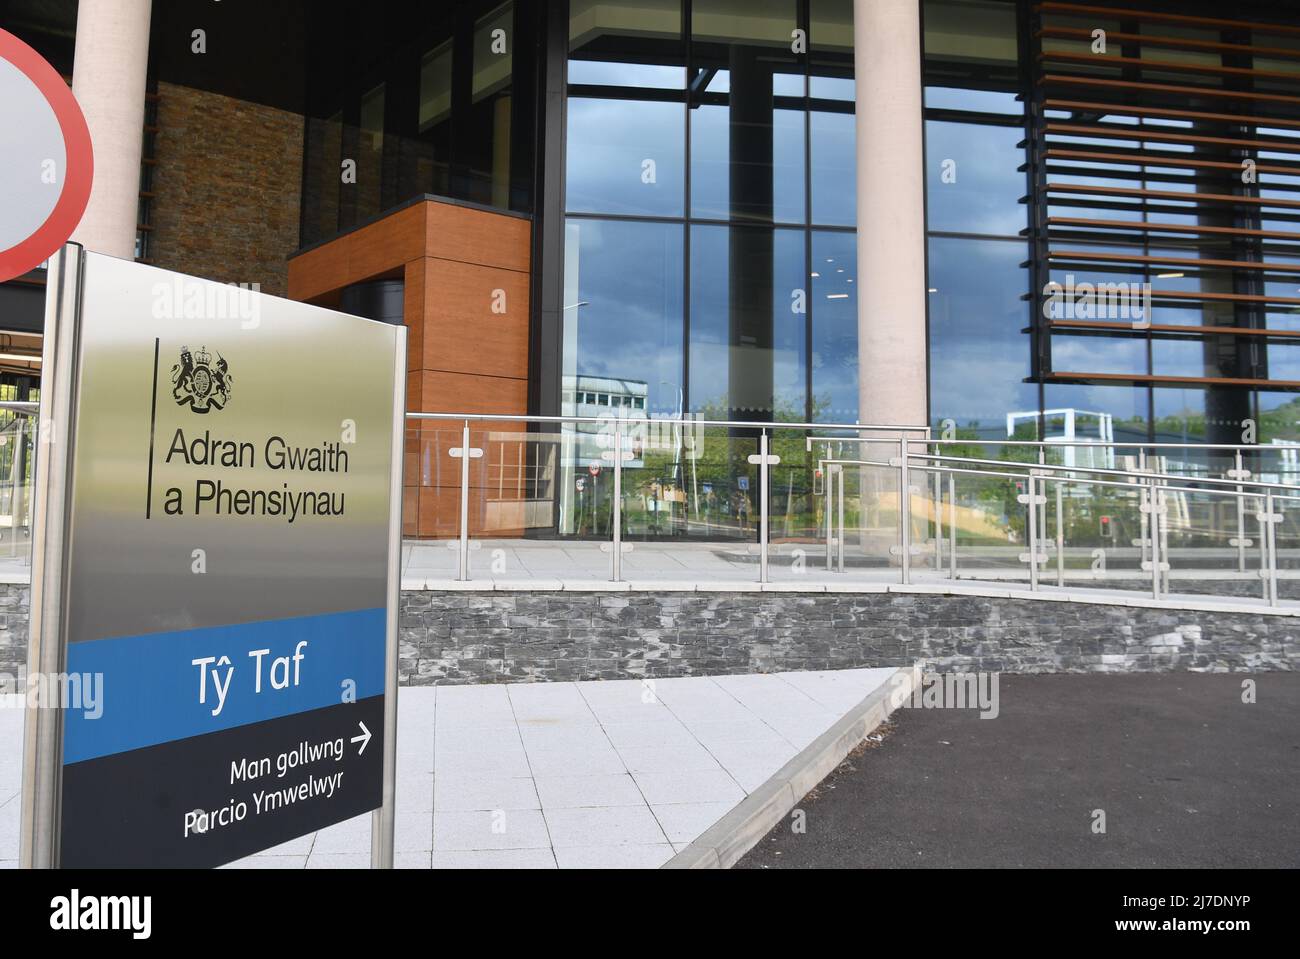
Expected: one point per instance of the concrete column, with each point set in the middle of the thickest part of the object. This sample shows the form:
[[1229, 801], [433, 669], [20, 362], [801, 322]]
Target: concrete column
[[891, 213], [108, 79]]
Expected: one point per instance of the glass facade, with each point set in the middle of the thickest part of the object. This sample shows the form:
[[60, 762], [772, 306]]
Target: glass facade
[[1147, 192], [1087, 380], [980, 345], [708, 210], [446, 108], [709, 174]]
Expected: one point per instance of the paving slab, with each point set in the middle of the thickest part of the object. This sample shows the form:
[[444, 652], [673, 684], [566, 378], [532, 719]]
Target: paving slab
[[620, 774]]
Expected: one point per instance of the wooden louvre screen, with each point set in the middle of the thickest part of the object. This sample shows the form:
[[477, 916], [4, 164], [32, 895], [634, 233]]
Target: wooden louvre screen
[[1164, 152]]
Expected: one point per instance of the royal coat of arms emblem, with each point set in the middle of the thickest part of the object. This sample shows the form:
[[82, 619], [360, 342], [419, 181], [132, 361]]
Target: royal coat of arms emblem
[[199, 383]]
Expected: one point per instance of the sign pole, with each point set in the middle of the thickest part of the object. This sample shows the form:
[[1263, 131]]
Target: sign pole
[[383, 818], [51, 487]]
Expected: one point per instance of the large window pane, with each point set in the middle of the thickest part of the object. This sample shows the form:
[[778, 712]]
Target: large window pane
[[1216, 414], [1279, 422], [831, 121], [433, 165], [973, 184], [321, 179], [435, 86], [623, 308], [627, 44], [747, 111], [493, 52], [768, 22], [1111, 413], [765, 187], [626, 156], [974, 101], [977, 32], [748, 323], [598, 26], [976, 321], [491, 105], [370, 151], [834, 316], [834, 168]]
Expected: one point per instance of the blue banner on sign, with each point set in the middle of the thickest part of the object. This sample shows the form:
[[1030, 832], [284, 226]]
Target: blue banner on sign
[[167, 686]]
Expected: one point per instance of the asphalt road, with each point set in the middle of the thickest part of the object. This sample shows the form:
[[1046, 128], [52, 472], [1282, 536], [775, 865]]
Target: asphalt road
[[1188, 776]]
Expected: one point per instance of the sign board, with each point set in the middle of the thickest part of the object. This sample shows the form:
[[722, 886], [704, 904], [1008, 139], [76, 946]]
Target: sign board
[[230, 576], [742, 482], [49, 161], [594, 469]]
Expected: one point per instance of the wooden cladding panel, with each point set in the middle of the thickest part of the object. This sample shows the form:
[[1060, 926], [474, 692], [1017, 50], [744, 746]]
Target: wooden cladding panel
[[448, 390], [377, 250], [472, 236], [466, 274], [476, 318]]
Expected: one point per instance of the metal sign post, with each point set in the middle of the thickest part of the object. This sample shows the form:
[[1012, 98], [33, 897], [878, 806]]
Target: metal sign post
[[215, 571]]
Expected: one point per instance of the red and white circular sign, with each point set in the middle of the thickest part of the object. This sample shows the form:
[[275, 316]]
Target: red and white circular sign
[[46, 161]]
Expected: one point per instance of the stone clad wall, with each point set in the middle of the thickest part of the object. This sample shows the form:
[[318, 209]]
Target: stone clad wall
[[480, 637], [15, 600], [467, 637]]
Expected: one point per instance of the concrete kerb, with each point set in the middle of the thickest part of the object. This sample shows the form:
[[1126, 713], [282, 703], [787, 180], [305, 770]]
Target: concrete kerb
[[727, 840]]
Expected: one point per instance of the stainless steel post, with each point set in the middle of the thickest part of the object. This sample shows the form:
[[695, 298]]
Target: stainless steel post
[[1042, 507], [904, 511], [1152, 512], [1240, 473], [1031, 532], [938, 520], [831, 470], [383, 820], [1145, 519], [16, 485], [1166, 567], [52, 488], [463, 556], [762, 506], [616, 560], [1270, 535], [952, 526], [1060, 535], [839, 519]]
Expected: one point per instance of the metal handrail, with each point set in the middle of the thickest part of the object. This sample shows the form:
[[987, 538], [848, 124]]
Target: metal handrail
[[1072, 444], [1152, 506], [1034, 471], [1151, 486], [1142, 474], [662, 421], [1099, 443]]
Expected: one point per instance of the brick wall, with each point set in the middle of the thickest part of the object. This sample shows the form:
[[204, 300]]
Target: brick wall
[[227, 187]]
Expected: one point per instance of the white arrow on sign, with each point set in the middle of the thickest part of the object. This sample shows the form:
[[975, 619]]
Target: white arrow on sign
[[364, 738]]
